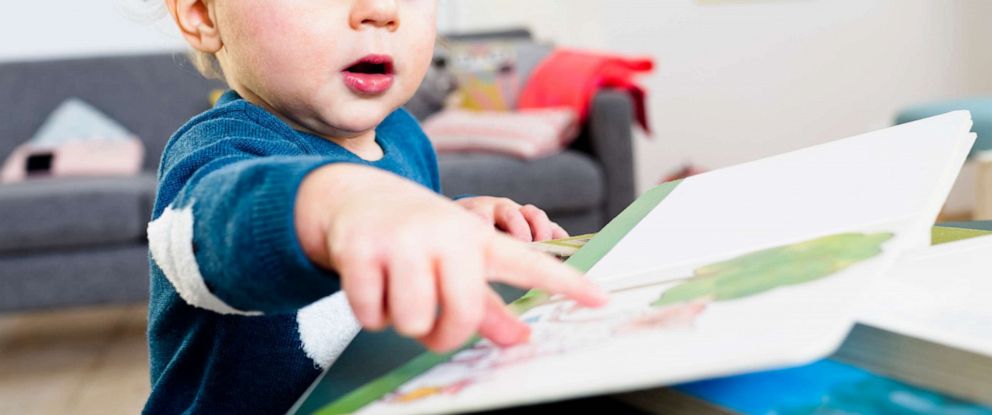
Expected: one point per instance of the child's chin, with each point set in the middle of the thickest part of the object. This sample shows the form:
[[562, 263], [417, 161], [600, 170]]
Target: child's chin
[[360, 119]]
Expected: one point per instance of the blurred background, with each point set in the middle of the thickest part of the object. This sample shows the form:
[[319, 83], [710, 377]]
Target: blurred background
[[736, 80], [733, 81]]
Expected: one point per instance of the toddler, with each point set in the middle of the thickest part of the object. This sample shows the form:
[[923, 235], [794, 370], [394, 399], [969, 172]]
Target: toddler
[[305, 205]]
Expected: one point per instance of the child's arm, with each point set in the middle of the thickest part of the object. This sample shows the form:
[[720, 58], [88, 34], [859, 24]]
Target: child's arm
[[227, 241], [404, 252], [252, 227]]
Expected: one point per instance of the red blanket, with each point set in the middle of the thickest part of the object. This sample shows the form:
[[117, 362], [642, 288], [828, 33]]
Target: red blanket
[[570, 78]]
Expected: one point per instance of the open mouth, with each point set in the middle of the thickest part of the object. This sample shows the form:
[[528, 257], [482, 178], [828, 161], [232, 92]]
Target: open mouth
[[371, 75], [372, 65]]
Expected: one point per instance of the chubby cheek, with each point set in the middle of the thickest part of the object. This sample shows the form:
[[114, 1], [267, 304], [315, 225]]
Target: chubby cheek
[[415, 41], [275, 41]]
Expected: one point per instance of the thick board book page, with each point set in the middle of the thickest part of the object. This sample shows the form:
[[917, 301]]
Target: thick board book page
[[929, 321], [741, 269], [940, 294]]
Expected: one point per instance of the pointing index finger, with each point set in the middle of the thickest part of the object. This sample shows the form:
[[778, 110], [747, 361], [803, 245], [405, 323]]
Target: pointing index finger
[[514, 263]]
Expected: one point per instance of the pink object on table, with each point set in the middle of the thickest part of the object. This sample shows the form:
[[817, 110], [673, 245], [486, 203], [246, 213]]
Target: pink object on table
[[526, 134]]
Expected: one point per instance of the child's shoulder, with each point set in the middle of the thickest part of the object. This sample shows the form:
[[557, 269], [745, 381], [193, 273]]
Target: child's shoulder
[[232, 120], [232, 115]]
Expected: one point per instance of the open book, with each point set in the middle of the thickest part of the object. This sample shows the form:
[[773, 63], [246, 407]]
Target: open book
[[751, 267]]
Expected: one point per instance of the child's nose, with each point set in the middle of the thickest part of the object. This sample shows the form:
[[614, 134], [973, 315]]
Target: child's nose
[[375, 13]]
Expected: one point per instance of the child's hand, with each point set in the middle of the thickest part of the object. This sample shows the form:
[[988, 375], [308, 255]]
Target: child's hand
[[411, 258], [527, 223]]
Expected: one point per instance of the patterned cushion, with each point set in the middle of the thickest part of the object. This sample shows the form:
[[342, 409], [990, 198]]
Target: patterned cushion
[[491, 73]]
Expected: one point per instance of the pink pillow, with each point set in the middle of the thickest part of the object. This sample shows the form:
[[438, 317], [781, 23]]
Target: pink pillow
[[527, 134], [76, 139], [90, 157]]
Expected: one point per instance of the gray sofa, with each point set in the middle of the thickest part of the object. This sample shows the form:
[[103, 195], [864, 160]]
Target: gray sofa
[[81, 241]]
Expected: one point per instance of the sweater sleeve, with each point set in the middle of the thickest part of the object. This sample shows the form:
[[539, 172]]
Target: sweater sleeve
[[227, 240]]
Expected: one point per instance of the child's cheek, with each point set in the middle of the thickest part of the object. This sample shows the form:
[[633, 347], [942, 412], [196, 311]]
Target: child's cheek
[[268, 27], [418, 27], [287, 37]]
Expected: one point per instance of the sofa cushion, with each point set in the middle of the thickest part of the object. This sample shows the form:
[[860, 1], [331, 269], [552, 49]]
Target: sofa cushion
[[111, 274], [72, 212], [565, 182]]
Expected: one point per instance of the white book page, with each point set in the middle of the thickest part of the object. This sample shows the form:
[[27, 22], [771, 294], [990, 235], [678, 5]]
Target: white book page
[[942, 294], [899, 172]]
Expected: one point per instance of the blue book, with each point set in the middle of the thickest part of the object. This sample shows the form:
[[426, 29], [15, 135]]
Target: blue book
[[824, 387]]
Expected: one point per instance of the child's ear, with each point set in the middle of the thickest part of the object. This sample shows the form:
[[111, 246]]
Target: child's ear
[[196, 23]]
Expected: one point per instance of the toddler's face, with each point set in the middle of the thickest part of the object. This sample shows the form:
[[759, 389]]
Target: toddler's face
[[334, 67]]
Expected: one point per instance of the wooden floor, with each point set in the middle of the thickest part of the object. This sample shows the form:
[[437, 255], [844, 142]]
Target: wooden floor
[[79, 361]]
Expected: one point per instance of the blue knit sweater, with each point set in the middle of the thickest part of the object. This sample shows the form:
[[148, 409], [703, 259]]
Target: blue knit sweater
[[240, 320]]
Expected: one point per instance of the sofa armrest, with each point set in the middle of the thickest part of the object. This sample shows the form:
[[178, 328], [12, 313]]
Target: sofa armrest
[[608, 138]]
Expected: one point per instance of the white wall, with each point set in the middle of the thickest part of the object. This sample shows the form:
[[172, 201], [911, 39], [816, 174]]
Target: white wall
[[740, 80], [572, 22], [41, 29]]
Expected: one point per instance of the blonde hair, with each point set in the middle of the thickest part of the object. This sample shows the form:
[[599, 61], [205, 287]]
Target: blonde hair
[[207, 64]]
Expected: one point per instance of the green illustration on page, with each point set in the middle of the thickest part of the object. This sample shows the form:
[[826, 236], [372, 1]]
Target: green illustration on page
[[777, 267]]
